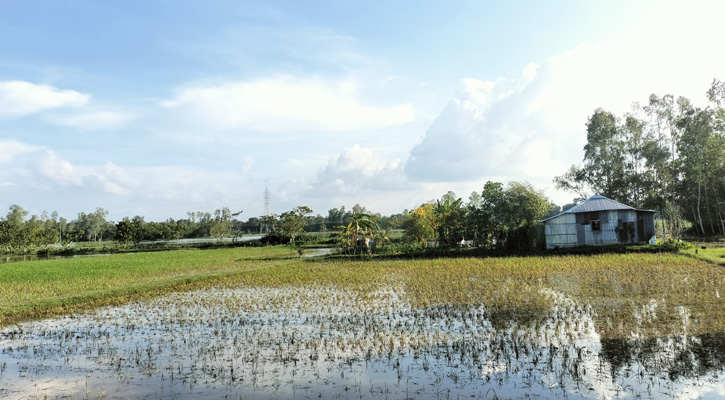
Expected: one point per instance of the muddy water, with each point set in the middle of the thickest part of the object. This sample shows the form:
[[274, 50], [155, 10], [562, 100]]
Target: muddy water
[[323, 342]]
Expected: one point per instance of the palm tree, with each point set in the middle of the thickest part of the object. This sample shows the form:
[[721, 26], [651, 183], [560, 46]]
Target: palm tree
[[449, 215], [361, 226]]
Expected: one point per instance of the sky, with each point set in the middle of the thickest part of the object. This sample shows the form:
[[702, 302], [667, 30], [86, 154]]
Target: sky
[[159, 108]]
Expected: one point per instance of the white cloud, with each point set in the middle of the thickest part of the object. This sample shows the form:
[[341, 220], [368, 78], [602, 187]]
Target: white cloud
[[286, 103], [19, 98], [59, 170], [9, 149], [93, 120], [148, 183], [357, 170]]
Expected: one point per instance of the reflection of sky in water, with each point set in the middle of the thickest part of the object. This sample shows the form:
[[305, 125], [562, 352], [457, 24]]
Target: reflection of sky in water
[[292, 343]]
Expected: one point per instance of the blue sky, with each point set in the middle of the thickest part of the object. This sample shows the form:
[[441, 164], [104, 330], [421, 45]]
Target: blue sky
[[156, 108]]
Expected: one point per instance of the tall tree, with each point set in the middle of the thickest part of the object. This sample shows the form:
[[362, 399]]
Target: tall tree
[[604, 156], [449, 213]]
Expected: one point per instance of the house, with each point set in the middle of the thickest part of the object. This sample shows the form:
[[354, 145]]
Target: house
[[599, 221]]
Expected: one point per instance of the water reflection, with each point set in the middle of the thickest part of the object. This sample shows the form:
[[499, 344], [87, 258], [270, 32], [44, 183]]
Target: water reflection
[[329, 342], [35, 257]]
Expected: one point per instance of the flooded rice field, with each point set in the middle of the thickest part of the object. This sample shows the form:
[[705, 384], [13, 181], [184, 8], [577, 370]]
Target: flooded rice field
[[324, 341]]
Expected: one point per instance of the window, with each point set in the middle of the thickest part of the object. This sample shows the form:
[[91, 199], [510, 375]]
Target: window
[[587, 218], [596, 225]]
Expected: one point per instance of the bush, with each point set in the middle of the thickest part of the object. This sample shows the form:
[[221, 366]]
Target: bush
[[676, 244]]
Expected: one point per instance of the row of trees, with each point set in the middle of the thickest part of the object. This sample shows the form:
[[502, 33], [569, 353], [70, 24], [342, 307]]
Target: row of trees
[[18, 232], [497, 216], [504, 217], [668, 155]]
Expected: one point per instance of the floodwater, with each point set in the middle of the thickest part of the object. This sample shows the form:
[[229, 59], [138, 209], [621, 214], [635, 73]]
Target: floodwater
[[247, 238], [327, 342], [34, 257]]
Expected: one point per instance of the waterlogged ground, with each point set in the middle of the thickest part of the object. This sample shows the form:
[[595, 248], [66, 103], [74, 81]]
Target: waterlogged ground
[[383, 337]]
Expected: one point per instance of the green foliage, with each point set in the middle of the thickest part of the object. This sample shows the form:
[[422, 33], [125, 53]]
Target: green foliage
[[359, 232], [221, 225], [671, 161], [449, 214], [505, 217], [420, 225], [292, 223], [676, 245], [130, 230]]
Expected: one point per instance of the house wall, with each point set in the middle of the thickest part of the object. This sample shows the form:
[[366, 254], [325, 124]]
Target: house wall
[[614, 226], [561, 231]]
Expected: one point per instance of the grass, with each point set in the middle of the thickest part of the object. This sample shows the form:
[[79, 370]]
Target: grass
[[51, 287], [712, 252]]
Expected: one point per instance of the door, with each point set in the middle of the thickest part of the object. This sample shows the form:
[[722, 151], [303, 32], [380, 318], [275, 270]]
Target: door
[[640, 227]]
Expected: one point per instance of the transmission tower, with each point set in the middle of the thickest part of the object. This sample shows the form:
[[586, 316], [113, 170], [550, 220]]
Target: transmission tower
[[264, 226]]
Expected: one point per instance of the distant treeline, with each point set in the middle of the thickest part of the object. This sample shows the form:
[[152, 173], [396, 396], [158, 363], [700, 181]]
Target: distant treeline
[[19, 232]]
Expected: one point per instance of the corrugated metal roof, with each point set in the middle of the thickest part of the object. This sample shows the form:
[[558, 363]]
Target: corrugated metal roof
[[597, 203]]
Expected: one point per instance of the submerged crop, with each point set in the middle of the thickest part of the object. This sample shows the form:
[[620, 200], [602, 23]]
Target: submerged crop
[[578, 327]]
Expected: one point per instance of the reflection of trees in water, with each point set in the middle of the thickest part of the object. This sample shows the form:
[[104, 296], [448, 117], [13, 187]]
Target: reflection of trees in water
[[676, 357], [579, 349]]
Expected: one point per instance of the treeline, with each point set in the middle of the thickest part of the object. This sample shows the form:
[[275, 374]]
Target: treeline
[[667, 155], [500, 217], [20, 233]]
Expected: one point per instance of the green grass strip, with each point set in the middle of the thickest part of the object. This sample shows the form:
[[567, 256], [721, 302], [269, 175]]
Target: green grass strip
[[39, 289]]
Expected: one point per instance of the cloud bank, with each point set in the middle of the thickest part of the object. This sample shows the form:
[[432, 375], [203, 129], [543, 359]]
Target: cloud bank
[[285, 103]]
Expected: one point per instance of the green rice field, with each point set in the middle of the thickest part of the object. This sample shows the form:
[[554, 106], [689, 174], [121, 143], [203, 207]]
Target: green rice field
[[53, 287], [264, 323]]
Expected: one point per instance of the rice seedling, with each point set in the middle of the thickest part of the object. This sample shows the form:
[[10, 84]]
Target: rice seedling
[[590, 327], [56, 287]]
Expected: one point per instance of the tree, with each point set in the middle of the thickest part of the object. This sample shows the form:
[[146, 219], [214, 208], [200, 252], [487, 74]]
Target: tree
[[525, 206], [12, 228], [664, 116], [507, 217], [604, 156], [420, 226], [635, 141], [130, 230], [449, 213], [221, 225], [361, 226], [489, 217], [335, 216], [292, 223], [702, 164]]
